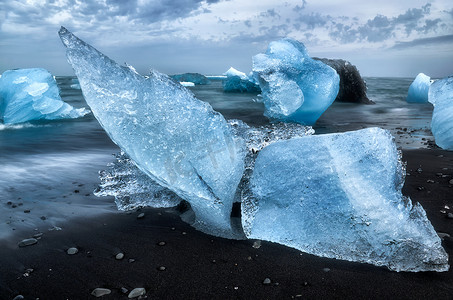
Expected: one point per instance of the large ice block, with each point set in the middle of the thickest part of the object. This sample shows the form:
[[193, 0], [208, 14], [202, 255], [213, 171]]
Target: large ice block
[[176, 139], [295, 88], [418, 90], [441, 96], [239, 82], [32, 94], [339, 196]]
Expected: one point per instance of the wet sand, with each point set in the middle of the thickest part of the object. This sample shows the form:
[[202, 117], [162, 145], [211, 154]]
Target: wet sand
[[199, 266]]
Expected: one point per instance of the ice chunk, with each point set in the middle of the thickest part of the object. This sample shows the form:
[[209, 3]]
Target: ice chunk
[[441, 96], [184, 83], [418, 90], [75, 86], [176, 139], [196, 78], [339, 196], [237, 81], [352, 86], [295, 88], [32, 94]]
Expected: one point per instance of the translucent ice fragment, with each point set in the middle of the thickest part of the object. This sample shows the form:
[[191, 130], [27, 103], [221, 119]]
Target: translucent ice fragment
[[339, 196], [441, 96], [295, 88], [32, 94], [176, 139], [418, 90]]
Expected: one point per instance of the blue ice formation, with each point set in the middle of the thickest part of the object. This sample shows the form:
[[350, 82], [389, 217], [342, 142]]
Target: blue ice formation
[[418, 90], [32, 94], [174, 138], [187, 84], [295, 88], [196, 78], [238, 82], [441, 96], [339, 196]]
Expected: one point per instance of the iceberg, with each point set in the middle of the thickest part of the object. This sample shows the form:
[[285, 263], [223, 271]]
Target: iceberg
[[418, 90], [195, 78], [187, 84], [441, 96], [295, 88], [177, 140], [339, 196], [352, 86], [32, 94], [238, 82]]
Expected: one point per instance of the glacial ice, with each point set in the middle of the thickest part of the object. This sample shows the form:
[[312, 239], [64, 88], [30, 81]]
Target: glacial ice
[[32, 94], [239, 82], [339, 196], [295, 88], [186, 84], [441, 96], [418, 90], [176, 139], [196, 78]]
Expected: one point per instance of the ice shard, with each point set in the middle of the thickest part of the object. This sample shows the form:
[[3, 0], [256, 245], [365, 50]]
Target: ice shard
[[177, 140], [295, 87], [339, 196], [32, 94], [441, 96], [418, 90]]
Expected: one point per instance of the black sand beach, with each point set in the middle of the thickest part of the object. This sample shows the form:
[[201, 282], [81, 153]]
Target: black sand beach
[[199, 266]]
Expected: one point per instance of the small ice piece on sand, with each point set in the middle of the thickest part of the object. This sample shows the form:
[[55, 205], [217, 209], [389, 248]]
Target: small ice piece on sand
[[72, 251], [176, 139], [441, 96], [339, 196], [136, 293], [27, 242], [418, 90], [99, 292], [32, 94], [295, 87]]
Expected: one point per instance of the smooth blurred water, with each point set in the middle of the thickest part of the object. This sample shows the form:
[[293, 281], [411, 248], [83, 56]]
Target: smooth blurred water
[[47, 162]]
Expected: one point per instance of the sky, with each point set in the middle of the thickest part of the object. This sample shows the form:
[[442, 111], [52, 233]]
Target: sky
[[382, 38]]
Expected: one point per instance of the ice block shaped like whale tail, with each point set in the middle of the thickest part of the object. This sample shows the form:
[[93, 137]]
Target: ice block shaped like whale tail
[[339, 196], [176, 139]]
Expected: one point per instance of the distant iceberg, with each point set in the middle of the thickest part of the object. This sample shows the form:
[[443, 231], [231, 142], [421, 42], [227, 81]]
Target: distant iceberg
[[295, 88], [32, 94], [238, 82], [418, 90], [339, 196], [195, 78], [441, 96], [187, 84]]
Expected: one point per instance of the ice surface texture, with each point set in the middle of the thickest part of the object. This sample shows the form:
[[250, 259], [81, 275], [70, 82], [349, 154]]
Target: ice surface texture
[[238, 82], [441, 96], [32, 94], [295, 88], [339, 196], [418, 90], [352, 86], [197, 79], [176, 139]]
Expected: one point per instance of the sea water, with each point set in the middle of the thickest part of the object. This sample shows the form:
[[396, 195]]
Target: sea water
[[50, 168]]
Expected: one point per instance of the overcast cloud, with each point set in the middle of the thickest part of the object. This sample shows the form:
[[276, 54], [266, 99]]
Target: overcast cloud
[[382, 38]]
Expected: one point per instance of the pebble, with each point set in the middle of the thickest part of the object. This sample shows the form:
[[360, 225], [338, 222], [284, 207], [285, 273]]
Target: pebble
[[256, 244], [18, 297], [141, 216], [27, 211], [326, 270], [451, 181], [119, 256], [419, 170], [161, 243], [72, 251], [27, 242], [267, 281], [38, 235], [131, 260], [124, 290], [99, 292], [439, 174], [450, 215], [162, 268], [430, 181], [43, 218], [136, 292]]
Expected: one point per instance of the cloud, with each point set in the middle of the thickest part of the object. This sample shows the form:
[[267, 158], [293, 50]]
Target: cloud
[[443, 39]]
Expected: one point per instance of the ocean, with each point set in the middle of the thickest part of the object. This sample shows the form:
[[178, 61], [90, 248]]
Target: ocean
[[49, 170]]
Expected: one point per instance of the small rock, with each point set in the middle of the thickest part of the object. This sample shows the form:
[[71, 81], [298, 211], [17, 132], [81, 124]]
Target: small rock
[[38, 235], [43, 218], [256, 244], [27, 242], [421, 188], [131, 260], [99, 292], [162, 268], [161, 243], [141, 216], [76, 191], [450, 215], [27, 211], [19, 297], [119, 256], [451, 181], [430, 181], [443, 235], [419, 170], [72, 251], [184, 233], [326, 270], [9, 203], [267, 281], [14, 206], [136, 293], [439, 174], [124, 290]]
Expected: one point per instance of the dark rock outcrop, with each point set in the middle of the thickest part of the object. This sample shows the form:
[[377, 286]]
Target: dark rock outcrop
[[352, 86]]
